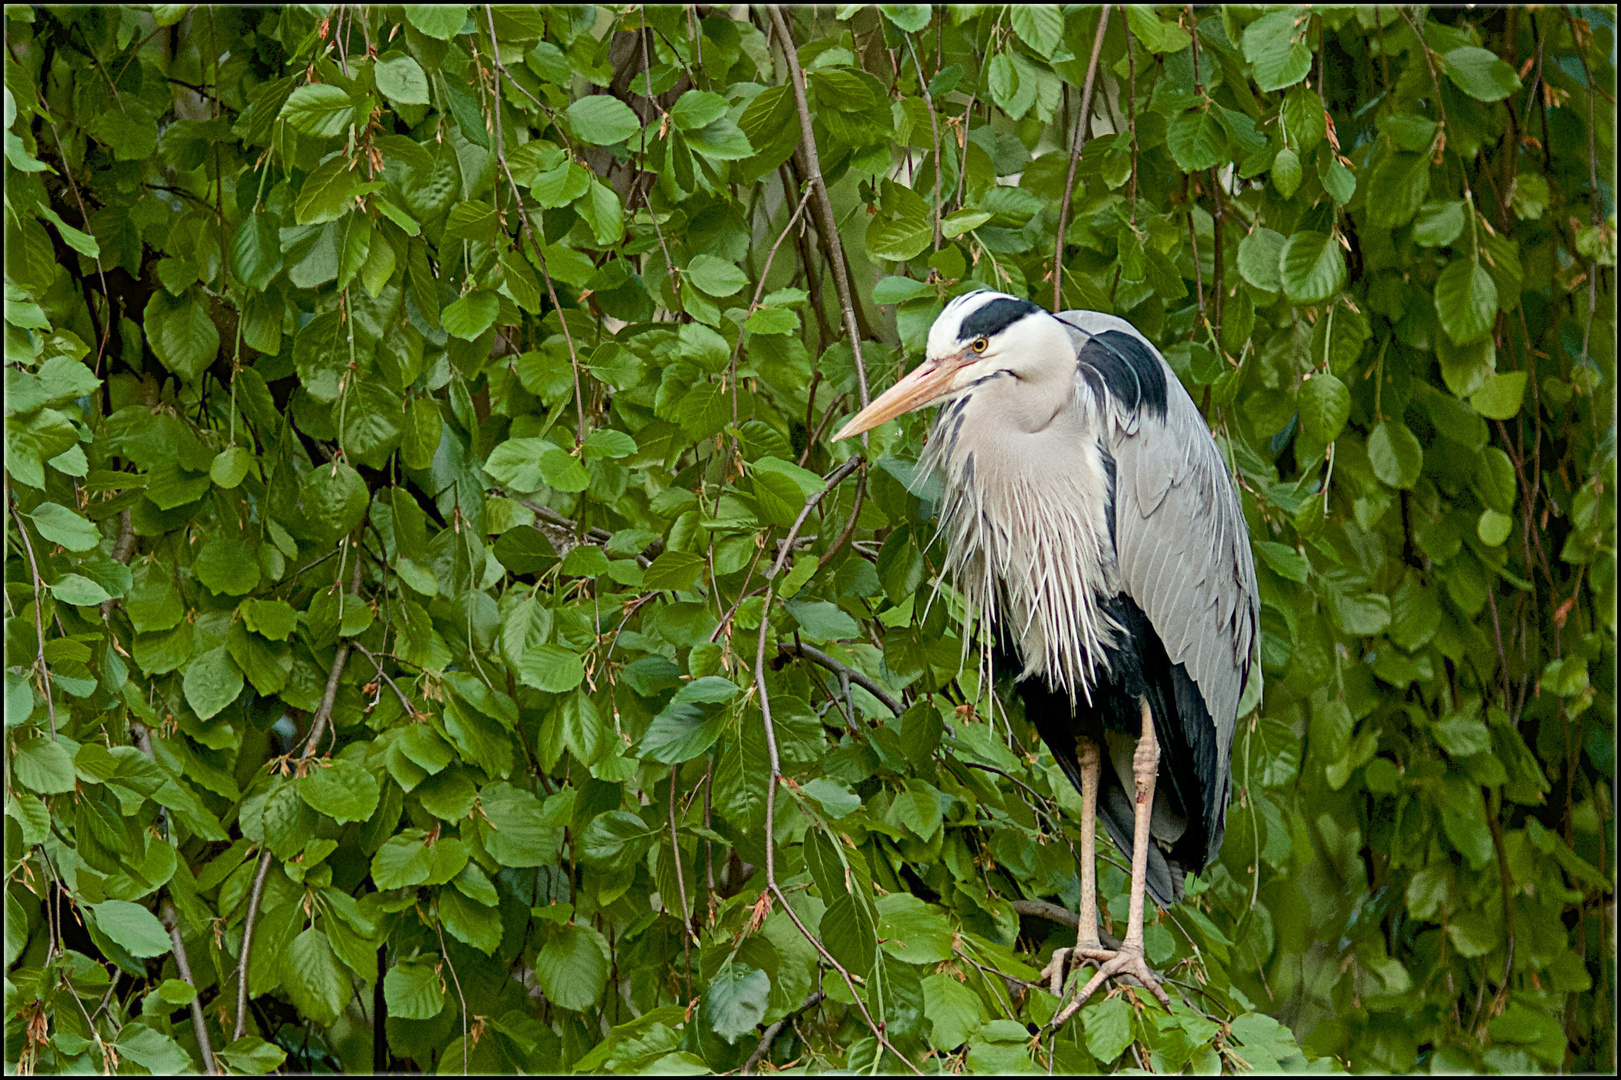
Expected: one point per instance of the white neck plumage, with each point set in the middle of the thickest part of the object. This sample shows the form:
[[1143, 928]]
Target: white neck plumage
[[1025, 517]]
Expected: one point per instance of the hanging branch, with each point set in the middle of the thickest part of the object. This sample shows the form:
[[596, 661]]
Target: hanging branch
[[843, 671], [774, 1030], [39, 617], [318, 722], [934, 125], [830, 224], [1078, 140], [776, 776], [171, 922], [529, 231]]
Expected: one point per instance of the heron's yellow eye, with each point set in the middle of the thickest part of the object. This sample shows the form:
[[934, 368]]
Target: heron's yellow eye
[[980, 345]]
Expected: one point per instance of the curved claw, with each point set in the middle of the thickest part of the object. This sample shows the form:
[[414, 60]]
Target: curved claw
[[1125, 962]]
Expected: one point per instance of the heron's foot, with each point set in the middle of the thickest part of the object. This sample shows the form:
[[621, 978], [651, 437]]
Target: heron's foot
[[1127, 963], [1057, 969]]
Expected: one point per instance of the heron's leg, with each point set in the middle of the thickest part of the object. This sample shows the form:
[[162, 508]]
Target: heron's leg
[[1086, 939], [1129, 960]]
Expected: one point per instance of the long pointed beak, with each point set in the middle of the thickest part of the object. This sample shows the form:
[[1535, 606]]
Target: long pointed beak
[[920, 386]]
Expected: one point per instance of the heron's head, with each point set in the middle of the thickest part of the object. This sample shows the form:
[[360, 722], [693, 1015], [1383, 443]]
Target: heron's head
[[977, 336]]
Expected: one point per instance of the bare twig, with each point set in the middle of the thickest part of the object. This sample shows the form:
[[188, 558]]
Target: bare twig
[[171, 921], [844, 671], [1078, 140], [318, 722], [445, 954], [830, 224], [833, 480], [774, 1030], [776, 777], [934, 127], [759, 291], [39, 617], [529, 231]]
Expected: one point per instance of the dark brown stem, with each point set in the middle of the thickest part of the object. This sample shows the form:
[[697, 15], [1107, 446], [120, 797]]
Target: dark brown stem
[[1077, 141], [39, 616], [844, 671], [824, 203], [528, 230], [318, 722], [934, 126], [171, 922], [774, 1030]]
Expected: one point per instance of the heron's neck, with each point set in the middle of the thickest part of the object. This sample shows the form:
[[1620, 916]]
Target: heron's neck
[[1026, 518]]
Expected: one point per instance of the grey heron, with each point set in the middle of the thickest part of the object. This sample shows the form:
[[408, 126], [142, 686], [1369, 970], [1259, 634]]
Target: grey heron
[[1090, 521]]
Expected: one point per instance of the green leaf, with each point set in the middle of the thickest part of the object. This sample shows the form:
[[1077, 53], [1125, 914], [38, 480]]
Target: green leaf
[[1438, 223], [1311, 267], [42, 765], [735, 1002], [318, 109], [1286, 172], [468, 922], [617, 838], [1465, 301], [1108, 1027], [1276, 45], [256, 250], [327, 195], [131, 927], [333, 498], [1039, 26], [311, 975], [914, 17], [1500, 397], [1196, 140], [252, 1056], [602, 119], [341, 790], [211, 682], [562, 471], [551, 668], [572, 968], [441, 21], [59, 525], [673, 571], [1260, 256], [181, 334], [514, 829], [227, 567], [402, 81], [715, 276], [823, 621], [230, 467], [1325, 405], [954, 1011], [1480, 73], [413, 990], [1395, 454], [471, 315]]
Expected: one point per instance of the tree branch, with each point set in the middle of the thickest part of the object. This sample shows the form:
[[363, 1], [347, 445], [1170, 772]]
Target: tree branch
[[775, 1029], [171, 922], [1078, 140], [817, 656], [318, 722], [39, 616], [830, 224]]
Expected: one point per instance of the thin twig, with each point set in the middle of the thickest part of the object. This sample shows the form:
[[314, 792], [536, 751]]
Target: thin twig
[[445, 954], [171, 921], [832, 481], [830, 224], [318, 722], [759, 291], [776, 777], [1078, 140], [39, 617], [529, 231], [844, 671], [775, 1029], [934, 126]]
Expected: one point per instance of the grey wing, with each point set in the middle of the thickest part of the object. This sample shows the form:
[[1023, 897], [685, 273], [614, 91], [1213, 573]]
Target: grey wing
[[1181, 540]]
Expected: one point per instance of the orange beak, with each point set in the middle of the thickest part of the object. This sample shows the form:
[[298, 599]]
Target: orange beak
[[921, 385]]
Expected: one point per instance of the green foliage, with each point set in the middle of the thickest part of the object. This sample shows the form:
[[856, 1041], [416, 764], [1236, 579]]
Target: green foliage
[[403, 431]]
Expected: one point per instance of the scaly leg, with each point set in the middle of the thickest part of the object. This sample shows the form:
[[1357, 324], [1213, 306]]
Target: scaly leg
[[1086, 940], [1130, 958]]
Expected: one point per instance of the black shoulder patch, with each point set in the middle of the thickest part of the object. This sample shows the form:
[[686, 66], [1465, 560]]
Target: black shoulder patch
[[994, 317], [1130, 370]]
